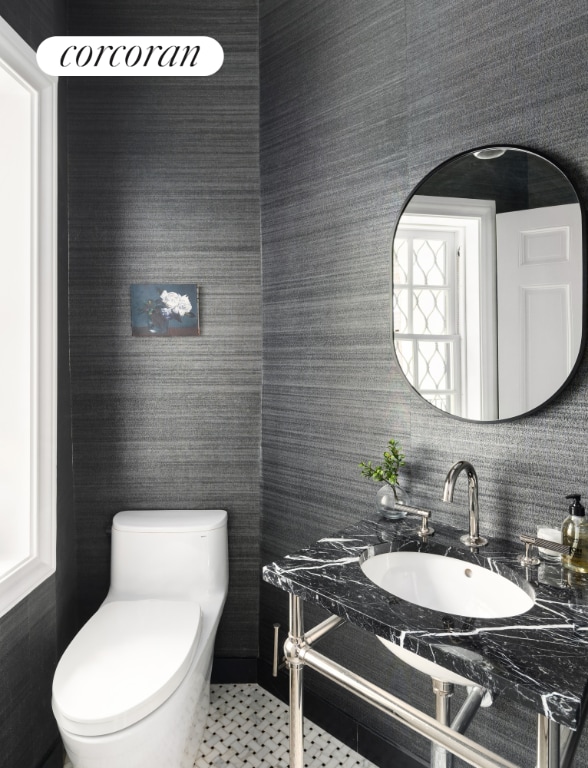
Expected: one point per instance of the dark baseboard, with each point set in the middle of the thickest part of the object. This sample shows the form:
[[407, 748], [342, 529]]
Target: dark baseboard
[[234, 671], [340, 725]]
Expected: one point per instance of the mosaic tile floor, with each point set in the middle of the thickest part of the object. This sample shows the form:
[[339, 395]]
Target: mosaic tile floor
[[248, 728]]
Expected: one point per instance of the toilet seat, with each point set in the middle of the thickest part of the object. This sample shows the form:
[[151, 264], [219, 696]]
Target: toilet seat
[[124, 663]]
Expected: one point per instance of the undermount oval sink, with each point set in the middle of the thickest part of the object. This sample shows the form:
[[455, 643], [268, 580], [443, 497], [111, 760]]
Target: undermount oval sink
[[447, 584], [426, 666]]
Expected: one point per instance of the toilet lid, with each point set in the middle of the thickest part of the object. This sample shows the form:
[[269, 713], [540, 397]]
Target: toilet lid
[[169, 520], [124, 663]]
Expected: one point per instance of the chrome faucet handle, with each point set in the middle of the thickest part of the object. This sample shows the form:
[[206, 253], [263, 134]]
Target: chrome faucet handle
[[534, 541], [424, 514]]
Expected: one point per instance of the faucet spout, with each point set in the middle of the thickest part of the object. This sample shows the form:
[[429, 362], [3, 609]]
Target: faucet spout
[[473, 538]]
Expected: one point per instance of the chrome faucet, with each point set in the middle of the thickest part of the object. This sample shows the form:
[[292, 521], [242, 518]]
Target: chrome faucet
[[473, 538]]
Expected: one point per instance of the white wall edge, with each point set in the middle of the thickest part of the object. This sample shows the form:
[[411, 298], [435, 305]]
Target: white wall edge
[[17, 580]]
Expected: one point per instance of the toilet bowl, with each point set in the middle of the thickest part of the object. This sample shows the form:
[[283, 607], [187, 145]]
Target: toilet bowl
[[132, 688]]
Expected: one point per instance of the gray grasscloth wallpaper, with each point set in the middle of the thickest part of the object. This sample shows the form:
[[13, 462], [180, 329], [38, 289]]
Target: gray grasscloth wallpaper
[[358, 102], [164, 186], [34, 632]]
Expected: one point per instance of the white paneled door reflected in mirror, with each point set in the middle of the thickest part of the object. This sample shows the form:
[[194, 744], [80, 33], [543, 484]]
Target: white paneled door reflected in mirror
[[489, 284]]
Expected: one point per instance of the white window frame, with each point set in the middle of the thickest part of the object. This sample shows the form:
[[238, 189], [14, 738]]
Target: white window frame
[[480, 363], [410, 228], [19, 576]]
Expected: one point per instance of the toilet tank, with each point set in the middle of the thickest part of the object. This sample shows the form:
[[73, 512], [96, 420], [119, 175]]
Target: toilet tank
[[169, 554]]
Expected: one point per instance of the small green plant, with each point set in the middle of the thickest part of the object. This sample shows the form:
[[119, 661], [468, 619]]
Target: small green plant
[[386, 472]]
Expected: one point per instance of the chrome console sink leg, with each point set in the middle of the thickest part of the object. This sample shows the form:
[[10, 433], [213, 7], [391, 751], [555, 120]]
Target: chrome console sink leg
[[547, 743], [296, 668], [441, 758], [299, 653]]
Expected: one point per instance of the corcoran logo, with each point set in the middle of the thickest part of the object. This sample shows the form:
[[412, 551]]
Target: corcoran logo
[[130, 56]]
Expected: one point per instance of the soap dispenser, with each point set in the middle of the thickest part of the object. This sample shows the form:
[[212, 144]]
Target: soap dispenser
[[574, 533]]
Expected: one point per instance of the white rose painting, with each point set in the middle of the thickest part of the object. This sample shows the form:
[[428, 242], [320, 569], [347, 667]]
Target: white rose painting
[[164, 310]]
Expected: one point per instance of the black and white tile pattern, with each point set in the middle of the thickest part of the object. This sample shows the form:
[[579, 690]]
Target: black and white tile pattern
[[248, 728]]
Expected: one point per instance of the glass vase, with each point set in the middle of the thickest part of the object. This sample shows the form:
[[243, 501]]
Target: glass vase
[[387, 503]]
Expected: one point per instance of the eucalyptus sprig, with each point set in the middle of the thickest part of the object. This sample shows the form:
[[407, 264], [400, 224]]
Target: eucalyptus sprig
[[386, 472]]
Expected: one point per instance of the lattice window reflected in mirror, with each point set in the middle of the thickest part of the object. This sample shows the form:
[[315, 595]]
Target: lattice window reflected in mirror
[[425, 313], [429, 258], [400, 261], [406, 357], [429, 311]]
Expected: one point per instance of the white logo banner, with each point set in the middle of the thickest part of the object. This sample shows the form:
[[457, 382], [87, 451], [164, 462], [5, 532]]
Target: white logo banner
[[123, 56]]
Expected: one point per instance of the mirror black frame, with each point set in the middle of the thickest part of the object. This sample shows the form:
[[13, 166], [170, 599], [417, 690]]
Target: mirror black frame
[[584, 324]]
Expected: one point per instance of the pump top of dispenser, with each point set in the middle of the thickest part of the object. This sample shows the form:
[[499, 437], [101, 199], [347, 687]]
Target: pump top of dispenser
[[576, 509]]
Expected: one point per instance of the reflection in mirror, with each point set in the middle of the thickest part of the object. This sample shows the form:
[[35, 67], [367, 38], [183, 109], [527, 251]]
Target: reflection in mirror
[[488, 274]]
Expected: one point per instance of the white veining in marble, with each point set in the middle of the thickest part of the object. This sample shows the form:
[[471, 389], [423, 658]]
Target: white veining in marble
[[539, 657]]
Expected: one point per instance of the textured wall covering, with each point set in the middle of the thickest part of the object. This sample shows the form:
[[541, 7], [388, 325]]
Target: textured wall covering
[[358, 102], [164, 186], [35, 631]]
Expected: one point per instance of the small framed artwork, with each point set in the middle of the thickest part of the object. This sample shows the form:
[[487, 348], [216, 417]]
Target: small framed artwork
[[169, 309]]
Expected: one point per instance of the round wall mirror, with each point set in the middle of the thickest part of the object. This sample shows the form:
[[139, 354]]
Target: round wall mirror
[[489, 284]]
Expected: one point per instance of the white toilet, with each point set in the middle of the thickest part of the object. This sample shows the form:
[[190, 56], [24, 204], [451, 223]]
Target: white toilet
[[132, 688]]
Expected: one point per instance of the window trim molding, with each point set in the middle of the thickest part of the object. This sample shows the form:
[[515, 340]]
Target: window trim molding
[[482, 323], [23, 577]]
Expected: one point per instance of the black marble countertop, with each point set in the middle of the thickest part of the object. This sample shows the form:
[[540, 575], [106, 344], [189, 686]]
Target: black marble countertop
[[539, 658]]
